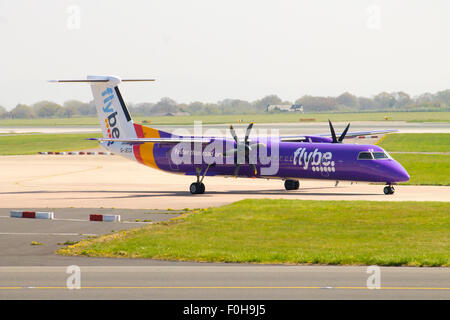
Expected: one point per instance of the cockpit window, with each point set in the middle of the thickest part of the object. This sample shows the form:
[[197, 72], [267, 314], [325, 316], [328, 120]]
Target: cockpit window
[[380, 155], [365, 156]]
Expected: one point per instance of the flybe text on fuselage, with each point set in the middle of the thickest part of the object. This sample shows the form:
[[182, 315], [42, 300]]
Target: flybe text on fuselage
[[110, 120], [318, 160]]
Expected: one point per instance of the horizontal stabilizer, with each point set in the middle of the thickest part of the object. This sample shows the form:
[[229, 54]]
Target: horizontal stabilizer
[[155, 140], [100, 80]]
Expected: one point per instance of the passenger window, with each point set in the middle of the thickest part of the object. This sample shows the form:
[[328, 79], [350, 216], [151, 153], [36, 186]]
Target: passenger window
[[365, 156], [380, 155]]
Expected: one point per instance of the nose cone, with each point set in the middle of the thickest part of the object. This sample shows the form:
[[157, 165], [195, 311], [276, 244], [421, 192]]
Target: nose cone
[[398, 173]]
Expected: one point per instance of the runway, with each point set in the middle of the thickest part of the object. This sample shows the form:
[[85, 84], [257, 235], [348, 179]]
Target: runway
[[224, 282]]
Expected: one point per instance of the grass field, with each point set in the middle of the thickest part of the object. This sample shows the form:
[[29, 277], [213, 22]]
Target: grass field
[[426, 169], [416, 142], [258, 118], [31, 144], [292, 232], [85, 121]]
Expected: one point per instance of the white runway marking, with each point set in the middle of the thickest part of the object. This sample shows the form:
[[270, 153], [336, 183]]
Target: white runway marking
[[47, 234], [86, 220]]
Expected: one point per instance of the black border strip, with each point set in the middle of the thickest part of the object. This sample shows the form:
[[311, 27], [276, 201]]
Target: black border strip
[[122, 103], [233, 309]]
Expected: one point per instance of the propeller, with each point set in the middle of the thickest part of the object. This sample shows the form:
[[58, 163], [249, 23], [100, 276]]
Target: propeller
[[333, 133], [243, 147]]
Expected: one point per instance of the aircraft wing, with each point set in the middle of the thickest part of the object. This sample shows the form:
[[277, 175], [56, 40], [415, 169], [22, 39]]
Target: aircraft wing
[[176, 140], [363, 133], [349, 135], [155, 140]]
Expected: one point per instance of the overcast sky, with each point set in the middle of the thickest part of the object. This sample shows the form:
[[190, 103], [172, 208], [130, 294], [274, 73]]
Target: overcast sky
[[206, 50]]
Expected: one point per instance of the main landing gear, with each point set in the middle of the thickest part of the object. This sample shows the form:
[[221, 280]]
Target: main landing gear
[[198, 187], [389, 189], [291, 184]]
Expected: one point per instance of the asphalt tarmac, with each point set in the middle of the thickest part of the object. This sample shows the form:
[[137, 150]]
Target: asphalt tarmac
[[224, 282], [70, 225]]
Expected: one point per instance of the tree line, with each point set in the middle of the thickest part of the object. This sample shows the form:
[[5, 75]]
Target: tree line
[[346, 102]]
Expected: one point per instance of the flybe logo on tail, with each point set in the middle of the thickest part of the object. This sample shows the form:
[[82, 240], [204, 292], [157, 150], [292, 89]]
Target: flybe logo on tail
[[111, 120]]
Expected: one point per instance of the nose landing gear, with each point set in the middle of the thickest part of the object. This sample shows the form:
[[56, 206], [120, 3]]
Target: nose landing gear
[[389, 189]]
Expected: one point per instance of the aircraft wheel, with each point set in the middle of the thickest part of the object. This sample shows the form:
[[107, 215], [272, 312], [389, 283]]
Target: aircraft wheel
[[197, 188], [291, 184], [389, 190]]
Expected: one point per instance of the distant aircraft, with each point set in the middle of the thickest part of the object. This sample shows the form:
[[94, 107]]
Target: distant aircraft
[[321, 157]]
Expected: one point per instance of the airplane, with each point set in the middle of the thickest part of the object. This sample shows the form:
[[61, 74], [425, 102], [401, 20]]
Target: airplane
[[321, 157]]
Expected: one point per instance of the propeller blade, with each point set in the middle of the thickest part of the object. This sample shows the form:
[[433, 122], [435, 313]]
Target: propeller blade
[[233, 134], [344, 133], [247, 133], [230, 152], [257, 145], [236, 170], [242, 147], [333, 134]]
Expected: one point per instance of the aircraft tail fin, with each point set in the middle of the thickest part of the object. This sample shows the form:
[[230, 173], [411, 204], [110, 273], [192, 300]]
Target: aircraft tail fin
[[115, 119]]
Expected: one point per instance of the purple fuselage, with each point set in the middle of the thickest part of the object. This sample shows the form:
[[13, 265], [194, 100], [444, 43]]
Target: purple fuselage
[[284, 160]]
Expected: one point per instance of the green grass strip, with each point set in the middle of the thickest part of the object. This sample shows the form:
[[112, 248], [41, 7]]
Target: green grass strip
[[426, 169], [292, 232], [416, 142], [31, 144]]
